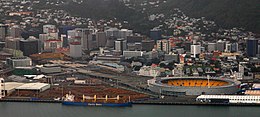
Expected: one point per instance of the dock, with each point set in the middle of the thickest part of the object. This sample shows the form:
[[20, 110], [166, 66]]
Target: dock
[[143, 102]]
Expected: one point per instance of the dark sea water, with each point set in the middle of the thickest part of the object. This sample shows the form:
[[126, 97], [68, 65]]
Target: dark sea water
[[14, 109]]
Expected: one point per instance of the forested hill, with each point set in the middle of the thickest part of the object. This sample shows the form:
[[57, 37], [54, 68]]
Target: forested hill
[[227, 13]]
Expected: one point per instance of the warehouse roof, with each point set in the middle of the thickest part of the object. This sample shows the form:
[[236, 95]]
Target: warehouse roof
[[12, 85], [32, 86]]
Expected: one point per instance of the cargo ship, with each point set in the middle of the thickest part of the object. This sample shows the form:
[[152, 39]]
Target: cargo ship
[[92, 101]]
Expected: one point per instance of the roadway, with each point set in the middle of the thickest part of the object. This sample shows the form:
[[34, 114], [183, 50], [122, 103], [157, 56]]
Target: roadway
[[136, 83]]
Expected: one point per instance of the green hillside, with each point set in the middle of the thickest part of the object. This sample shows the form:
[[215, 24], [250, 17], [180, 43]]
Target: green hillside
[[226, 13]]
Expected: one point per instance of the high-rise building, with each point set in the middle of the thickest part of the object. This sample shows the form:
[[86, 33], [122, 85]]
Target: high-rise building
[[220, 46], [155, 34], [114, 32], [101, 39], [3, 32], [134, 46], [252, 47], [111, 42], [241, 71], [228, 47], [13, 43], [15, 31], [211, 47], [163, 45], [134, 39], [123, 33], [63, 32], [195, 49], [231, 47], [147, 45], [85, 35], [75, 50], [234, 47], [120, 45], [52, 44], [49, 28], [29, 46], [49, 42]]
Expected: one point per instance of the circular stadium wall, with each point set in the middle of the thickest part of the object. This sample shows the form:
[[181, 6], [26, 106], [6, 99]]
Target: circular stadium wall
[[175, 86]]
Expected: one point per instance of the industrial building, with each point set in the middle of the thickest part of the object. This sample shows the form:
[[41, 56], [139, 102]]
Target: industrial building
[[50, 68], [130, 54], [9, 87], [38, 87], [19, 62]]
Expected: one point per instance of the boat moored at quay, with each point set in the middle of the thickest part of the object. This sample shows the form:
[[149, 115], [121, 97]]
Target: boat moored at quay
[[92, 101], [229, 99]]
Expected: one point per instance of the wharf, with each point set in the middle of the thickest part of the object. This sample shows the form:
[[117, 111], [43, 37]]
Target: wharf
[[193, 103], [142, 103], [30, 100]]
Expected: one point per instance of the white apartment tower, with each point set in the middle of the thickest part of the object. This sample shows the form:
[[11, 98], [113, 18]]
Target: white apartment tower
[[195, 49]]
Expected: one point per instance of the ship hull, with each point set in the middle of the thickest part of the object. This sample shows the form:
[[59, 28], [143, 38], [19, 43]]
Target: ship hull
[[127, 104]]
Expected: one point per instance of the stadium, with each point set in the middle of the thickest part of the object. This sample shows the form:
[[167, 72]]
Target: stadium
[[175, 86]]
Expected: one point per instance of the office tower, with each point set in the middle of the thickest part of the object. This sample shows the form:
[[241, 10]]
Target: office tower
[[155, 34], [101, 39], [120, 45], [111, 42], [29, 46], [252, 47], [3, 32], [234, 47]]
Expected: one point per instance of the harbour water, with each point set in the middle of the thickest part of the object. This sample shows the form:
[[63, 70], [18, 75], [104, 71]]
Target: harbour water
[[18, 109]]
